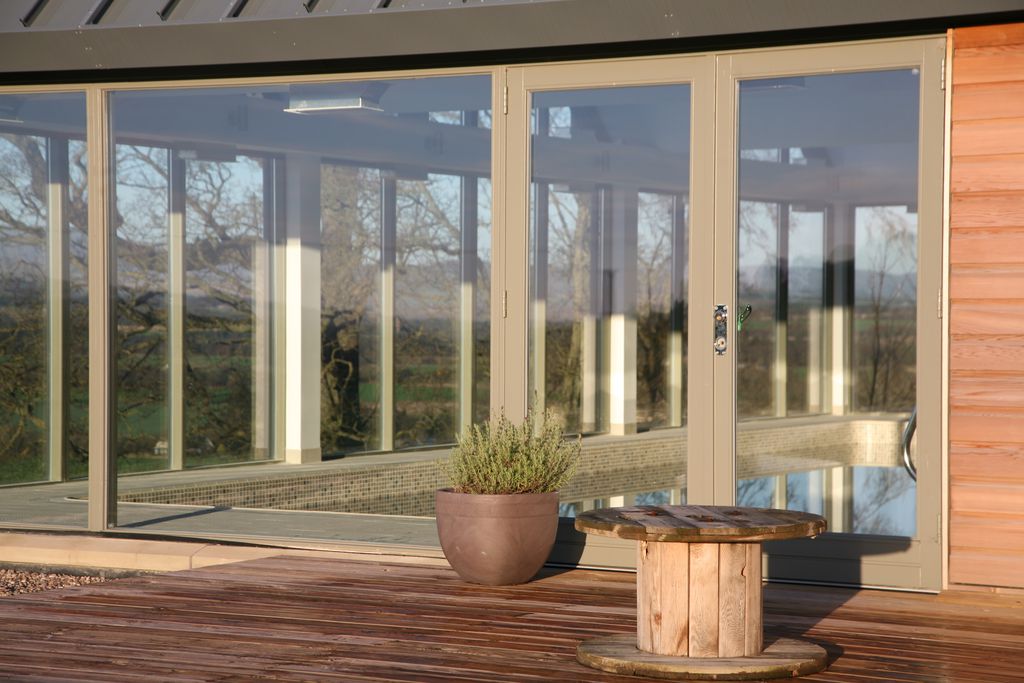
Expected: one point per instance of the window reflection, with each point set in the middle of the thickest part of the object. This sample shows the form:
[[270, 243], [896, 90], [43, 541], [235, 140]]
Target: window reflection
[[303, 274], [43, 300], [24, 273], [885, 308], [609, 256], [350, 309], [142, 196], [859, 499], [827, 263], [226, 322], [609, 261]]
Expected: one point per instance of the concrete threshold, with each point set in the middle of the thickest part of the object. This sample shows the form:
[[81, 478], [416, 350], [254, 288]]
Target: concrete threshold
[[79, 551]]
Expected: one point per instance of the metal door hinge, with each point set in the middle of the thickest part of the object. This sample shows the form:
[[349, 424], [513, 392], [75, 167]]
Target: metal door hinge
[[942, 75], [938, 305], [504, 304], [504, 101]]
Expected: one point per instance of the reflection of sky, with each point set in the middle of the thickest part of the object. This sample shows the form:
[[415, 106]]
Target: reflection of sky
[[885, 244], [804, 491], [884, 499], [141, 194], [429, 220], [646, 116], [18, 200], [756, 493], [652, 498], [850, 139]]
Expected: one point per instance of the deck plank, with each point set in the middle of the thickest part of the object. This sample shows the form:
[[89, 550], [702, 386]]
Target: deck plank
[[315, 619]]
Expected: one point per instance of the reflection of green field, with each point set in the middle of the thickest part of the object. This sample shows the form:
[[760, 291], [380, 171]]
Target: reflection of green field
[[425, 382], [148, 420], [21, 470], [369, 392], [219, 382], [425, 394]]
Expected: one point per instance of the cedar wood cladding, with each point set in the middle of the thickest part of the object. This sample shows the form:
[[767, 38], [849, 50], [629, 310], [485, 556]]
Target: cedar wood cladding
[[986, 423]]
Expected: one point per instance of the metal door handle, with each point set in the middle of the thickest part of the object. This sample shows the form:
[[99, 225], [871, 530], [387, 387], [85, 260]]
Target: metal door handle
[[908, 435], [721, 342]]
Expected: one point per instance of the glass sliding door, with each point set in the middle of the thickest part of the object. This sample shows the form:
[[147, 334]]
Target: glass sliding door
[[831, 320], [609, 252], [307, 273], [608, 275]]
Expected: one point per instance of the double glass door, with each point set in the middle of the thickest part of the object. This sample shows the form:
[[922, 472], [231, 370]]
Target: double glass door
[[794, 195]]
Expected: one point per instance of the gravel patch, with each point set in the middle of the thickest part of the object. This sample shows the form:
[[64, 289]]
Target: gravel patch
[[13, 581]]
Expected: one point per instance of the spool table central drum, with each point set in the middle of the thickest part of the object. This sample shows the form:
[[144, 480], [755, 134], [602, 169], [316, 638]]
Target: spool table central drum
[[698, 593]]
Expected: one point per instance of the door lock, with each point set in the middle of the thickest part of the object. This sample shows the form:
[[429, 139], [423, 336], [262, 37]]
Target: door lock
[[721, 329]]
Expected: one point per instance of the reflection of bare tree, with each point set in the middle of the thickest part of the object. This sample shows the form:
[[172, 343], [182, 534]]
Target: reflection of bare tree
[[755, 345], [427, 257], [223, 228], [429, 215], [573, 236], [141, 251], [886, 322], [654, 306], [224, 231], [569, 249], [755, 492], [23, 276], [350, 307], [24, 268]]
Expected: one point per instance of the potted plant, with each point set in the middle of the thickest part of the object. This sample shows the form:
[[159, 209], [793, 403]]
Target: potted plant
[[497, 520]]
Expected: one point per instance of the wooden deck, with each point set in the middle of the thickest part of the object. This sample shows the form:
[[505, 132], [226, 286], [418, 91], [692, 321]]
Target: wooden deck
[[339, 620]]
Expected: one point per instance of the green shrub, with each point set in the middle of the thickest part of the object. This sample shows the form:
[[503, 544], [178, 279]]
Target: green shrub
[[501, 457]]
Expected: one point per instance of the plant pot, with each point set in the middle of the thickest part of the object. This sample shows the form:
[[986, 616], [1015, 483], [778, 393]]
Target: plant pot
[[496, 539]]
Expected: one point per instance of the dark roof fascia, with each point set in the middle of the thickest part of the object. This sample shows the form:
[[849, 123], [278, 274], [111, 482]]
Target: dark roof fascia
[[200, 69]]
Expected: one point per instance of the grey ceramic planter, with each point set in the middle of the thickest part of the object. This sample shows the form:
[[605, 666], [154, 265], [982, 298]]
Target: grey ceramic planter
[[496, 539]]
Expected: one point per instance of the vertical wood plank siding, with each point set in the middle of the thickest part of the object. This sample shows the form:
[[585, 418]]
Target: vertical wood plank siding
[[986, 422]]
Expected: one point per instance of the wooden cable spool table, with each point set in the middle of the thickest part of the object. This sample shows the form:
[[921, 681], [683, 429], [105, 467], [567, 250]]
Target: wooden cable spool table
[[698, 592]]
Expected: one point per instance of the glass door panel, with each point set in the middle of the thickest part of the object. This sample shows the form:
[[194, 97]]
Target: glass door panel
[[608, 244], [827, 263], [608, 282], [828, 268]]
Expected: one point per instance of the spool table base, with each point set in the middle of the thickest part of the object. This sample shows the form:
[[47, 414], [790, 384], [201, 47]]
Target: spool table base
[[783, 658]]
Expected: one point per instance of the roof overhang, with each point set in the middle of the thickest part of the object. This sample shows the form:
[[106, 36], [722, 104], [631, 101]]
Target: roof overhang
[[486, 33]]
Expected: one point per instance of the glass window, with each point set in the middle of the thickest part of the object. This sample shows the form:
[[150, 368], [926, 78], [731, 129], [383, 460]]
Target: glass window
[[303, 275], [43, 308]]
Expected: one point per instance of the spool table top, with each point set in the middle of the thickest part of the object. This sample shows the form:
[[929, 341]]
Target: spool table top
[[700, 523]]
